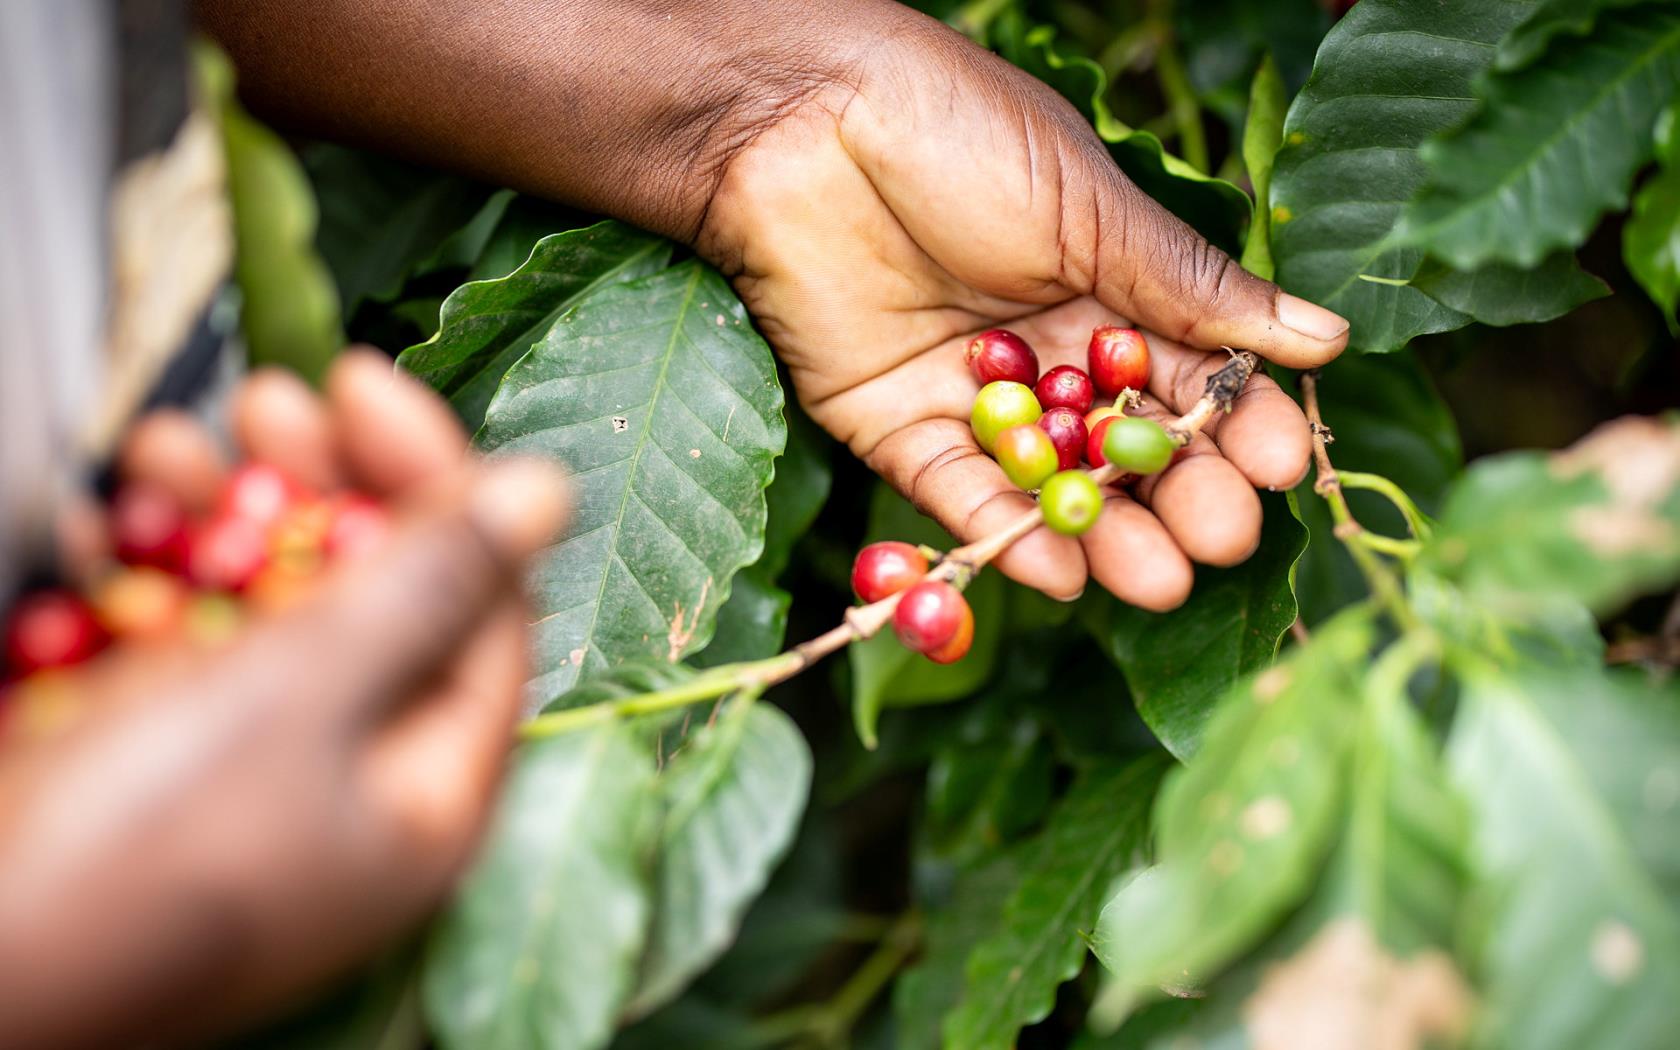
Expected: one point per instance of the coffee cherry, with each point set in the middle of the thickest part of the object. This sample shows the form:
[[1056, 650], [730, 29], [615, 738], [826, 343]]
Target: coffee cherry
[[1001, 355], [227, 553], [1065, 387], [929, 616], [359, 524], [998, 407], [297, 540], [51, 629], [1100, 413], [1067, 432], [1094, 443], [1138, 445], [212, 619], [1118, 359], [960, 642], [260, 493], [149, 527], [142, 604], [1071, 502], [1027, 455], [883, 569]]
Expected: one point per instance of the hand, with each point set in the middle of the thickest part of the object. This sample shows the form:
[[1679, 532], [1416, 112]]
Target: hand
[[933, 191], [223, 829]]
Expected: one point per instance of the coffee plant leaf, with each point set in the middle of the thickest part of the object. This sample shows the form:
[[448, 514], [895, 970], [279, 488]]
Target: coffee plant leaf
[[1651, 238], [1552, 148], [1501, 294], [382, 219], [1098, 831], [663, 402], [993, 780], [1577, 944], [485, 326], [933, 986], [1216, 208], [1179, 663], [1262, 135], [289, 308], [540, 946], [1350, 161], [1598, 523], [1549, 20], [1242, 828], [733, 796]]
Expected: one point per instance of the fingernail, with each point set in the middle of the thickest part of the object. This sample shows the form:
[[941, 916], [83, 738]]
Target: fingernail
[[519, 504], [1310, 319]]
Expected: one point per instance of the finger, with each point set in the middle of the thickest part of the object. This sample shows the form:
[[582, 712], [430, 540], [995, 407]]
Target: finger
[[937, 466], [279, 420], [172, 450], [1208, 507], [1148, 265], [1134, 557], [1264, 435], [393, 432]]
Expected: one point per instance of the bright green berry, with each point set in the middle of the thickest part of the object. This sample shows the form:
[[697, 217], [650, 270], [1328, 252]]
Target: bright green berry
[[998, 407], [1071, 502], [1138, 445], [1027, 455]]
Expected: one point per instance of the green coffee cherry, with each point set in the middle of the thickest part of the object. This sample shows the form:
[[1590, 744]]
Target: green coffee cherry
[[998, 407], [1071, 502], [1027, 455], [1138, 445]]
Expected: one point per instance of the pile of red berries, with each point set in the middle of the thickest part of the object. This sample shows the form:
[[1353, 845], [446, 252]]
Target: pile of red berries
[[1039, 427], [172, 576]]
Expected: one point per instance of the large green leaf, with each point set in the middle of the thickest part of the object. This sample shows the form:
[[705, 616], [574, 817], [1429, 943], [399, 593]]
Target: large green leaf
[[663, 402], [733, 795], [1550, 18], [1389, 75], [1242, 828], [989, 783], [1262, 135], [934, 985], [540, 947], [1597, 524], [1553, 147], [1578, 946], [1097, 832], [1499, 294], [1178, 664], [488, 325], [1651, 238]]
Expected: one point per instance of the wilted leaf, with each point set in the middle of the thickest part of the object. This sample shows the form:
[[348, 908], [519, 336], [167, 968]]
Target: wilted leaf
[[663, 402], [540, 946]]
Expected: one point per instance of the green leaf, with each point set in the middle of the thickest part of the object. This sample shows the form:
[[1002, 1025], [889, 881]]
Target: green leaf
[[381, 219], [540, 946], [1262, 135], [1242, 828], [1177, 664], [1217, 209], [988, 784], [1097, 832], [1497, 294], [1651, 238], [1577, 946], [884, 673], [1550, 19], [1598, 524], [733, 798], [1553, 147], [663, 402], [929, 990], [1388, 75], [289, 309], [488, 325]]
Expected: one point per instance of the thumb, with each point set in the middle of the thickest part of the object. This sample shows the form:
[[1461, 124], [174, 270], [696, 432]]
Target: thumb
[[1158, 272]]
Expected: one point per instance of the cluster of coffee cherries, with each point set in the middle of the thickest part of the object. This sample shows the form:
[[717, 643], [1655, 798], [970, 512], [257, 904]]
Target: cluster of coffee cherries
[[1040, 427], [173, 576]]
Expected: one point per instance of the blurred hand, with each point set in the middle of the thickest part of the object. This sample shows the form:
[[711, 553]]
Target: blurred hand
[[224, 829], [930, 191]]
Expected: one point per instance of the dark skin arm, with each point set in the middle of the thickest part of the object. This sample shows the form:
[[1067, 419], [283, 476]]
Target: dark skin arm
[[879, 190]]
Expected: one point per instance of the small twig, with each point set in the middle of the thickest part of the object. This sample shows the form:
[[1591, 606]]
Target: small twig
[[1298, 631]]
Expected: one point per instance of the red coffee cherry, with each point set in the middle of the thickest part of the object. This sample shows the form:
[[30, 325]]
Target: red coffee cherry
[[1001, 354], [1094, 443], [1065, 387], [960, 643], [50, 629], [884, 569], [1027, 455], [1118, 359], [929, 616], [227, 553], [359, 524], [149, 527], [1068, 433], [260, 493]]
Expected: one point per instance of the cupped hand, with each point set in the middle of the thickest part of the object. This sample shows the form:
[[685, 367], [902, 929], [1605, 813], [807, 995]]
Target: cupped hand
[[220, 829], [930, 191]]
